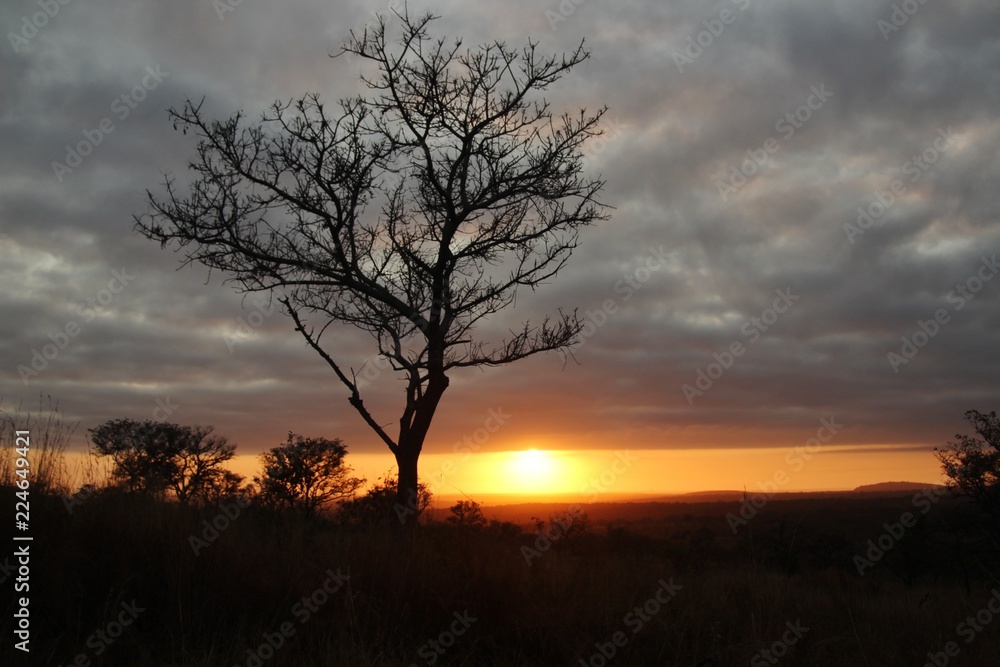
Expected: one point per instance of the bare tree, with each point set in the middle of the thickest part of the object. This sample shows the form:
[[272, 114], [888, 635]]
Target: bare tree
[[412, 214]]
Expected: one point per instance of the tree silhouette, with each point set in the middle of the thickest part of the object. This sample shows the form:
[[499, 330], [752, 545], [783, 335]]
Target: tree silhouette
[[973, 463], [306, 474], [380, 505], [467, 514], [226, 487], [153, 458], [412, 214]]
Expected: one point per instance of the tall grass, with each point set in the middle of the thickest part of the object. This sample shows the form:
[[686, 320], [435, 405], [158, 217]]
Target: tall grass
[[211, 608], [50, 435]]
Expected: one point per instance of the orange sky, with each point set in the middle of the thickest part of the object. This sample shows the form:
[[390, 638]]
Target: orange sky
[[596, 475], [484, 465]]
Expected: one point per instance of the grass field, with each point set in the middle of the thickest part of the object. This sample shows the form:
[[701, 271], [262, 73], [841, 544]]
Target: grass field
[[117, 581]]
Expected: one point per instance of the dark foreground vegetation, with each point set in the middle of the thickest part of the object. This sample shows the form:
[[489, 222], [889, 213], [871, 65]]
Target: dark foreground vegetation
[[124, 572], [678, 588]]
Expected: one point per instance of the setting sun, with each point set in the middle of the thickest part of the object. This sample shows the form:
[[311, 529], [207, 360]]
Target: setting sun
[[533, 471], [522, 472]]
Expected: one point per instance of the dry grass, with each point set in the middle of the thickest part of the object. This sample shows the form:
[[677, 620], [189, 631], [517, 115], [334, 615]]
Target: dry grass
[[213, 608], [50, 435]]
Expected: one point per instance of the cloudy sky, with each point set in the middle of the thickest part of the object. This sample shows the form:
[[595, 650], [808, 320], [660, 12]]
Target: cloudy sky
[[822, 178]]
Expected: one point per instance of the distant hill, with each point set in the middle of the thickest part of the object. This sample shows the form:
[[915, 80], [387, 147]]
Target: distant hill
[[895, 487], [443, 501], [511, 507]]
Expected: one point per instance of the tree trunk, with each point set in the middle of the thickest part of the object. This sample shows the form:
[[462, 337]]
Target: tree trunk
[[407, 494], [411, 442]]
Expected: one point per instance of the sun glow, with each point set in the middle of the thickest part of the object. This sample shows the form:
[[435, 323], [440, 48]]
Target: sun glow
[[533, 471], [533, 468], [606, 475]]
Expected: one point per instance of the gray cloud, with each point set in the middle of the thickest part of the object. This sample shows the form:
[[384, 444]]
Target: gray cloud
[[673, 137]]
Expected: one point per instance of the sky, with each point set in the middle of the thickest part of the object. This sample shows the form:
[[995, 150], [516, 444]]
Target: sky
[[800, 260]]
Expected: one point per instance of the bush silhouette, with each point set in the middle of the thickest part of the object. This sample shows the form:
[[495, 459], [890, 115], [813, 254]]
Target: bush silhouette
[[157, 459], [306, 474]]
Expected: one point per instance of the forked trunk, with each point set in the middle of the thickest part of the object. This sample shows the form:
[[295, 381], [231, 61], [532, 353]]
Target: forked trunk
[[411, 442]]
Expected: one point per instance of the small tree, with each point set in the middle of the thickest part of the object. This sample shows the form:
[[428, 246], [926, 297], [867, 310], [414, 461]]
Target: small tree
[[571, 522], [467, 513], [306, 474], [226, 487], [154, 458], [973, 464], [381, 505], [414, 213]]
